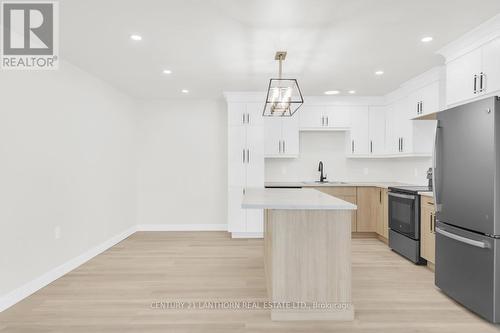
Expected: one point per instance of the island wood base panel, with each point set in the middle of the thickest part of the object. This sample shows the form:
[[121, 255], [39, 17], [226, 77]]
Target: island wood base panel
[[308, 259]]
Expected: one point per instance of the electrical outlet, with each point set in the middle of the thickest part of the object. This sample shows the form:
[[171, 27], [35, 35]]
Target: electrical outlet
[[57, 232]]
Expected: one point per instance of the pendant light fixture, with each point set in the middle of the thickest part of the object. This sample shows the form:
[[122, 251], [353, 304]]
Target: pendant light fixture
[[284, 97]]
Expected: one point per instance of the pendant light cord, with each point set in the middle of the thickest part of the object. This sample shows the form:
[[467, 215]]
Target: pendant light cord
[[281, 65]]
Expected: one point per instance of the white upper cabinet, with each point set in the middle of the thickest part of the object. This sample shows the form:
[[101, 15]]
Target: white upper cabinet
[[406, 137], [491, 66], [425, 100], [320, 118], [272, 136], [474, 74], [462, 77], [281, 136], [311, 117], [404, 126], [245, 114], [290, 136], [376, 132], [358, 138], [338, 117], [392, 138]]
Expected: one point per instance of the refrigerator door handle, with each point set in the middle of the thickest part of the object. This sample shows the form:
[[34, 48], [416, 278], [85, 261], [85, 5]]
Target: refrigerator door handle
[[482, 245], [434, 167]]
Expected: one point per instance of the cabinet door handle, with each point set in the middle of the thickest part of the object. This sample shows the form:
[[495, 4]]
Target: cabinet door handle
[[279, 146], [327, 121], [380, 195], [243, 118], [402, 145], [399, 144], [322, 120], [284, 147], [482, 81], [430, 223], [371, 146], [243, 156], [352, 146], [475, 83], [248, 156], [421, 107]]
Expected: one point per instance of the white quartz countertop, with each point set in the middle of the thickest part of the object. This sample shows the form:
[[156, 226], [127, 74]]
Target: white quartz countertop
[[333, 183], [427, 194], [292, 198]]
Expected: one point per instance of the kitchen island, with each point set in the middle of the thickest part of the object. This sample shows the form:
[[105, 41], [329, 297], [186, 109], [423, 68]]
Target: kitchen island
[[307, 253]]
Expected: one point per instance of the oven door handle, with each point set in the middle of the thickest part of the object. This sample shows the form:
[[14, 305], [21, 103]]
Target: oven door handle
[[482, 245], [403, 196]]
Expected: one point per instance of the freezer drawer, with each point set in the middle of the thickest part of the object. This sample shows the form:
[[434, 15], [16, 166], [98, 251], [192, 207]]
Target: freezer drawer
[[466, 267]]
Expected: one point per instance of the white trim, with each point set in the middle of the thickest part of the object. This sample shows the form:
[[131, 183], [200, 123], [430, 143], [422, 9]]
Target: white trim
[[182, 227], [417, 155], [259, 97], [31, 287], [325, 129], [282, 156], [247, 235], [473, 39], [11, 298]]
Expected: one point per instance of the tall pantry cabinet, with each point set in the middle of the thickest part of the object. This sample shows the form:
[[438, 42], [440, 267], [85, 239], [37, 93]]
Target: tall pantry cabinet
[[245, 166]]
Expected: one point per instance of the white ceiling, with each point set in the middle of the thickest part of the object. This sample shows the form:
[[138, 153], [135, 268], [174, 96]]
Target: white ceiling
[[217, 45]]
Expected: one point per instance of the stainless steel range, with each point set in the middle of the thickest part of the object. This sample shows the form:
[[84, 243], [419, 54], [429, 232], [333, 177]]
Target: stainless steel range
[[404, 221]]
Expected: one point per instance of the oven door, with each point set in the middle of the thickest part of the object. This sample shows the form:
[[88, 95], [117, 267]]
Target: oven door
[[403, 214]]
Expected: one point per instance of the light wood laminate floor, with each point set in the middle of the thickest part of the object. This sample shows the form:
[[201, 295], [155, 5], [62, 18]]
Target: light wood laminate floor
[[113, 292]]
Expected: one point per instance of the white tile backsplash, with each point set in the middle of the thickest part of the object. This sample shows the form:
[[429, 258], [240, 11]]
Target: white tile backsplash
[[329, 147]]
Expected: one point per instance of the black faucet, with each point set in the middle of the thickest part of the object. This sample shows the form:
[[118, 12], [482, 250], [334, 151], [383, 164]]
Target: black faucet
[[320, 169]]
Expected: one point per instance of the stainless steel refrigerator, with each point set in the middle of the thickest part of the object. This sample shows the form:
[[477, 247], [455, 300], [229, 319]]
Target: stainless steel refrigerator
[[467, 199]]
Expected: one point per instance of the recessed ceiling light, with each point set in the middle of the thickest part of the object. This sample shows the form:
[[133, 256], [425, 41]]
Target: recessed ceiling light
[[332, 92], [352, 92], [136, 37], [427, 39], [379, 72], [184, 91], [167, 71]]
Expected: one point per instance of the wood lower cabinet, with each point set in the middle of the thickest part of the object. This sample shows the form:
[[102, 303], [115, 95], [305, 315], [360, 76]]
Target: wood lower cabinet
[[383, 214], [346, 193], [369, 213], [372, 212], [427, 229]]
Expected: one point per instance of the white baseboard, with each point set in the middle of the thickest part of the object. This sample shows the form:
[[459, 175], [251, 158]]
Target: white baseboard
[[31, 287], [247, 235], [182, 227]]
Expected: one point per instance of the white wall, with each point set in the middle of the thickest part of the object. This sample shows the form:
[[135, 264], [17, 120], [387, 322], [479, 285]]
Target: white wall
[[329, 147], [182, 172], [67, 161]]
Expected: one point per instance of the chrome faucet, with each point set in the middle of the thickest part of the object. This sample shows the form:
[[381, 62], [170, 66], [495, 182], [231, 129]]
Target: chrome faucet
[[322, 177]]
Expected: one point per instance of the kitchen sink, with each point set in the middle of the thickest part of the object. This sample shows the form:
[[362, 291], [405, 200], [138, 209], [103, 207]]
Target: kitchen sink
[[317, 182]]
